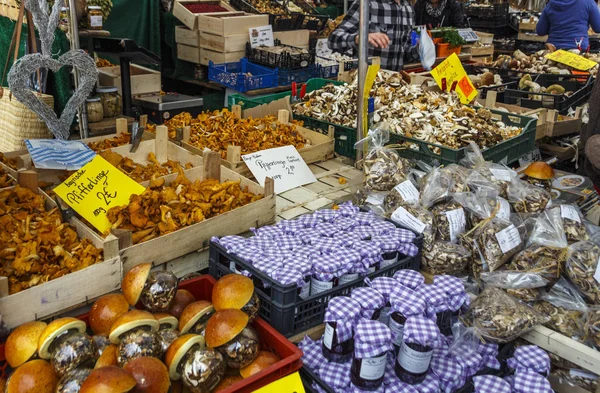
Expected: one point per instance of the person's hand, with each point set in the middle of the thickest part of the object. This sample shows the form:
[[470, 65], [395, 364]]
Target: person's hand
[[378, 40]]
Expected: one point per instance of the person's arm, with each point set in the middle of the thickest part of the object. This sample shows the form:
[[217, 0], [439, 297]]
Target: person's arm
[[456, 12], [543, 25], [343, 38], [594, 20]]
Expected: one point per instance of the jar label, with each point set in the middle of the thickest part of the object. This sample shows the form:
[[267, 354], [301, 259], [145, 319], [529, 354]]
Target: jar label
[[388, 261], [397, 332], [318, 286], [346, 278], [372, 369], [457, 223], [414, 361], [328, 336], [384, 317], [95, 20], [305, 291], [407, 220], [408, 191], [508, 238]]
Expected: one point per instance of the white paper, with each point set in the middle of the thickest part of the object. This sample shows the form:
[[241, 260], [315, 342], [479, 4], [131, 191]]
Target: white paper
[[328, 336], [407, 220], [317, 286], [508, 238], [372, 369], [458, 222], [502, 174], [261, 36], [375, 199], [322, 48], [504, 210], [568, 211], [408, 191], [397, 332], [597, 273], [283, 164], [531, 157]]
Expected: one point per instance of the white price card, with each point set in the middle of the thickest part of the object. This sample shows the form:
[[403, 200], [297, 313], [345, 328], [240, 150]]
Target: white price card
[[503, 174], [407, 220], [322, 48], [597, 273], [531, 157], [408, 191], [261, 36], [375, 199], [283, 164], [508, 238], [458, 222], [504, 210], [570, 212]]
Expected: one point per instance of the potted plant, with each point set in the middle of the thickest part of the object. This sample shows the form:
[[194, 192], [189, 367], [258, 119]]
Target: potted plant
[[453, 43]]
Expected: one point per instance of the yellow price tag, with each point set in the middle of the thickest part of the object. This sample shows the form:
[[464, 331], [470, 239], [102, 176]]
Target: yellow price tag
[[450, 74], [95, 188], [571, 59], [370, 79], [290, 384]]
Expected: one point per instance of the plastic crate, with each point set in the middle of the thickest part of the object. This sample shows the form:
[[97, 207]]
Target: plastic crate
[[270, 339], [314, 22], [493, 11], [286, 77], [280, 22], [499, 89], [581, 86], [285, 60], [487, 24], [508, 151], [242, 75], [331, 70]]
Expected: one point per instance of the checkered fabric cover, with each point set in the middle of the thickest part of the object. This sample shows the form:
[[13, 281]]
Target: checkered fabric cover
[[530, 357], [348, 209], [383, 285], [371, 339], [336, 375], [429, 385], [291, 227], [268, 264], [312, 353], [309, 220], [278, 253], [528, 381], [347, 239], [449, 372], [370, 300], [355, 389], [344, 311], [384, 227], [490, 384], [271, 231], [408, 304], [386, 243], [288, 276], [287, 242], [230, 243], [404, 235], [327, 215], [300, 263], [326, 244], [345, 223], [327, 229], [365, 218], [411, 279], [421, 330], [489, 355], [260, 242], [367, 249], [455, 291], [435, 298], [249, 253]]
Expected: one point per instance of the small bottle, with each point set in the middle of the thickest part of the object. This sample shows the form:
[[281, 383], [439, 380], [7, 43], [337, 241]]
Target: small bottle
[[340, 316], [416, 350], [370, 300], [95, 17], [353, 263], [95, 111], [371, 346]]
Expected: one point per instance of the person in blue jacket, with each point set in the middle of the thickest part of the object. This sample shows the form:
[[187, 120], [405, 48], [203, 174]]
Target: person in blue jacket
[[566, 23]]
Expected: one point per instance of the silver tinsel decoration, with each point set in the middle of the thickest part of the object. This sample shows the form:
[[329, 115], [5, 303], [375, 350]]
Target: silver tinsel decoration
[[22, 69]]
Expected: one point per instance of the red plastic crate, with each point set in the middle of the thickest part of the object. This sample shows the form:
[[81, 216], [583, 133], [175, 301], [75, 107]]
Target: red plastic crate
[[270, 339]]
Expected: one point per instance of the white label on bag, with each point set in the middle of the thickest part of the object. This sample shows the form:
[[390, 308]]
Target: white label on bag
[[569, 212], [414, 361], [375, 199], [456, 219], [328, 336], [397, 330], [502, 174], [383, 316], [597, 273], [318, 286], [504, 210], [372, 369], [95, 20], [508, 238], [408, 191], [346, 278], [407, 220]]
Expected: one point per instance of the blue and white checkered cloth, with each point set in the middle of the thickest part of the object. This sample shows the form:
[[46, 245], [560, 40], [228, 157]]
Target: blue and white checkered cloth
[[411, 279], [421, 330], [270, 231], [336, 375], [370, 300], [59, 154], [344, 311], [312, 353], [449, 372]]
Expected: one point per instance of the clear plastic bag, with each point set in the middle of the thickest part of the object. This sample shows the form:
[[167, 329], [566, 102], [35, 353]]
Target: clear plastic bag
[[445, 258], [573, 221], [449, 221], [426, 49], [499, 317], [486, 174], [405, 193], [548, 230], [524, 286], [581, 266], [592, 327], [416, 218], [526, 198], [482, 204], [383, 167], [575, 377], [435, 187], [459, 175]]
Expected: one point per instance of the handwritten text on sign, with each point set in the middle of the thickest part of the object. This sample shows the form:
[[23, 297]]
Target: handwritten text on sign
[[95, 188], [283, 164], [571, 59], [451, 75]]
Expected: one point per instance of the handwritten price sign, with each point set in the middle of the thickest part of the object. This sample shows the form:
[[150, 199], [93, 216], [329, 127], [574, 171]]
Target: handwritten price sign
[[571, 59], [282, 164], [450, 75], [95, 188]]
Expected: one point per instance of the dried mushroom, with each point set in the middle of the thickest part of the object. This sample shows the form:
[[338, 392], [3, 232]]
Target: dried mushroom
[[108, 143], [445, 258], [459, 176], [12, 163], [548, 262], [164, 209], [585, 380], [449, 221], [573, 223], [582, 263], [592, 326], [565, 321], [525, 294], [384, 169], [525, 198], [5, 179], [140, 172], [499, 317]]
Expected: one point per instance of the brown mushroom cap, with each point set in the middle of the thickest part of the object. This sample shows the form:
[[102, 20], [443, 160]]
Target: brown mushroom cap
[[178, 349], [232, 291], [227, 382], [263, 360], [130, 320], [183, 297], [105, 311], [134, 282], [150, 373], [166, 319], [22, 343], [108, 357], [192, 313], [487, 79], [55, 329], [109, 379], [224, 325], [540, 170], [35, 376]]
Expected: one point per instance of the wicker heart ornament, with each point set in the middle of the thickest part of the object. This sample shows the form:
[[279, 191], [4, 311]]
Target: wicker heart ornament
[[88, 75]]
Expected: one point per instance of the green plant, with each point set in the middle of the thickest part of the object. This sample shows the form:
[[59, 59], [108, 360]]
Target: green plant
[[452, 37]]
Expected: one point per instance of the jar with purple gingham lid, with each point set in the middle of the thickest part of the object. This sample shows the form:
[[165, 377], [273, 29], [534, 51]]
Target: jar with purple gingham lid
[[429, 385], [327, 215], [404, 235], [305, 250], [383, 227], [341, 315], [370, 252], [278, 253], [403, 307], [528, 381], [385, 286], [366, 232], [365, 218], [389, 249], [420, 337], [326, 272], [352, 260], [490, 384], [307, 235], [348, 209], [434, 297], [287, 242], [449, 372], [248, 254], [326, 229], [287, 275], [291, 227], [347, 239], [260, 242], [345, 223], [270, 231], [230, 243], [411, 279], [299, 262], [371, 302], [530, 357], [456, 299], [309, 220], [326, 245], [372, 342]]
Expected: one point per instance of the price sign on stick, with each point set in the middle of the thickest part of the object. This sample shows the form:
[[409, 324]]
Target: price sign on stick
[[450, 75], [95, 188], [283, 164], [571, 59]]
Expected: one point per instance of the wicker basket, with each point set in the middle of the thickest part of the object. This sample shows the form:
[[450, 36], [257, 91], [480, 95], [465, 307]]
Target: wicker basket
[[17, 122]]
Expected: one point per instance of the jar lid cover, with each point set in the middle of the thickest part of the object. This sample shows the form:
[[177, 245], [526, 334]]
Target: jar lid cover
[[93, 99], [94, 7], [106, 89]]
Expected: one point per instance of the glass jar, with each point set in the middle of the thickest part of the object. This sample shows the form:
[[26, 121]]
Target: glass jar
[[202, 369], [111, 100], [338, 342], [370, 300], [325, 274], [397, 321], [95, 110], [413, 362], [241, 350], [333, 350], [63, 22], [137, 344], [95, 17], [371, 346], [159, 291], [389, 250], [368, 373], [72, 351]]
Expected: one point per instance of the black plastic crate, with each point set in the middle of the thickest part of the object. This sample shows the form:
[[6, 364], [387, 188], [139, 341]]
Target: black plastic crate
[[488, 24], [492, 11], [314, 22], [581, 86], [280, 22], [309, 377], [284, 60], [529, 47]]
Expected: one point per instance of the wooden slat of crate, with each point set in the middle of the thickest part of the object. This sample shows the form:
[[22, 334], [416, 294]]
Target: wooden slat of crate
[[190, 19], [527, 26], [188, 53], [569, 124], [225, 25], [206, 56], [297, 38], [143, 80], [532, 37], [224, 44], [185, 36], [479, 50]]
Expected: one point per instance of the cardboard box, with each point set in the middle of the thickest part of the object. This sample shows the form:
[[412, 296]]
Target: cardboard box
[[559, 125], [190, 19], [230, 24], [143, 80]]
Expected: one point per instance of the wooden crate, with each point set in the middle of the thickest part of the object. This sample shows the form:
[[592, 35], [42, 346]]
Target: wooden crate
[[188, 53], [230, 24], [143, 80], [527, 26], [297, 38], [562, 153], [567, 125], [190, 19], [207, 56], [185, 36], [485, 38], [532, 37], [195, 237], [477, 51], [224, 44], [321, 148]]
